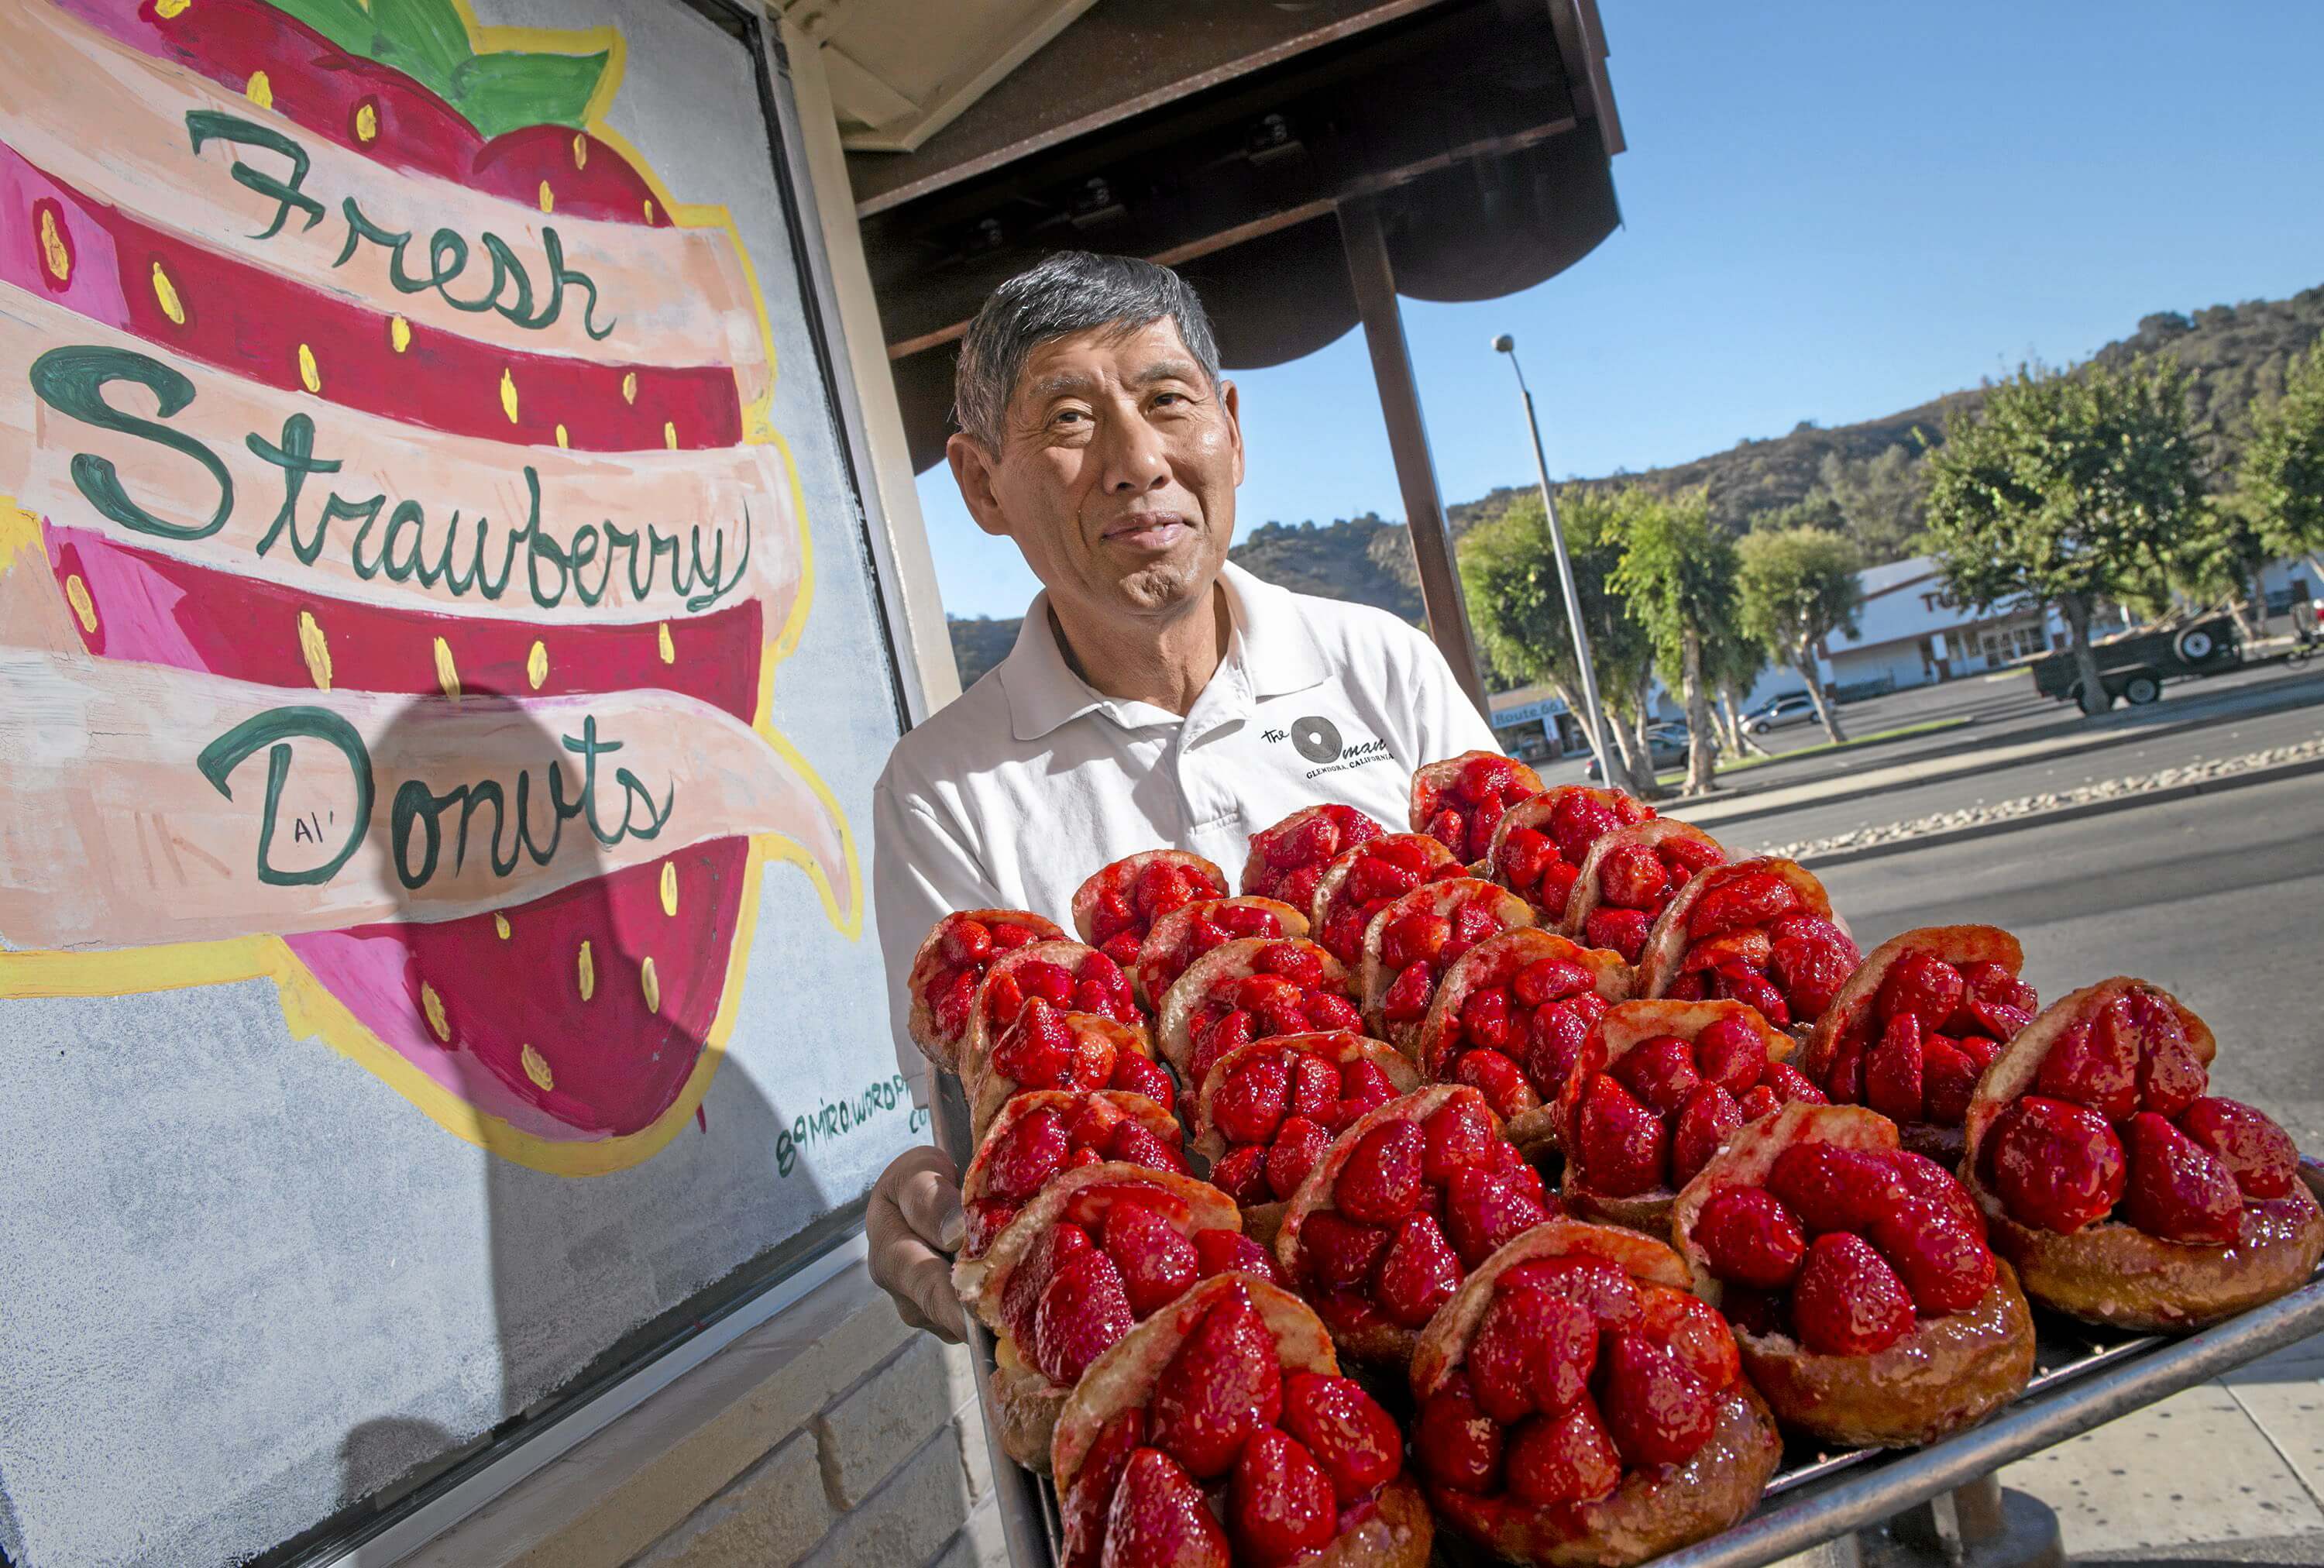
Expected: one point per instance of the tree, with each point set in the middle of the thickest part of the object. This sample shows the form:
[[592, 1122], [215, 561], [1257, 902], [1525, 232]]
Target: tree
[[2220, 557], [1818, 511], [1732, 660], [1517, 607], [1880, 497], [1799, 587], [2068, 486], [1678, 574], [2282, 481]]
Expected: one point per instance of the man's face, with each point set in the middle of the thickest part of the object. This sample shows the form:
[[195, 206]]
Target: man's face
[[1116, 473]]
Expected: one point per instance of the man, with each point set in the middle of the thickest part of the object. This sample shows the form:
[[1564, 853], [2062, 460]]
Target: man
[[1157, 697]]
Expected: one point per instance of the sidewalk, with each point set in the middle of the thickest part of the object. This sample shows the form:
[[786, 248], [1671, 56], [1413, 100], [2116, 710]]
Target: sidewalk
[[2227, 1471]]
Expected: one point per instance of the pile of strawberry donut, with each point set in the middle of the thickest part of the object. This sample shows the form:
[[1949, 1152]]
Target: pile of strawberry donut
[[1534, 1173]]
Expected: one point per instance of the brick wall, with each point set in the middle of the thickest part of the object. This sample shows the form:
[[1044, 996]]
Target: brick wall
[[830, 1435]]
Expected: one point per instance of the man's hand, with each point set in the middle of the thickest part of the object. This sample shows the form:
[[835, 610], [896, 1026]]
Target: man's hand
[[913, 1223]]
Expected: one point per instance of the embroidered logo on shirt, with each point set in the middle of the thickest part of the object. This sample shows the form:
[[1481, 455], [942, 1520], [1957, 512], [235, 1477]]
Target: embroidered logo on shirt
[[1319, 741]]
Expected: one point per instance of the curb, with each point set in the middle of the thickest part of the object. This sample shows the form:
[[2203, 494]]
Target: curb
[[1966, 755], [2248, 778]]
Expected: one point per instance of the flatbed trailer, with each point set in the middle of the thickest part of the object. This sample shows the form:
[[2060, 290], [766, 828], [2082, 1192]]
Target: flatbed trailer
[[2134, 665]]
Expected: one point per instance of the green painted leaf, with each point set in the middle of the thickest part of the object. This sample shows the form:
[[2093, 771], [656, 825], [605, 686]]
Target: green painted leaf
[[429, 42], [344, 21], [508, 91], [426, 39]]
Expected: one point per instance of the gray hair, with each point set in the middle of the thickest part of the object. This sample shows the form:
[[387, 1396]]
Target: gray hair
[[1064, 293]]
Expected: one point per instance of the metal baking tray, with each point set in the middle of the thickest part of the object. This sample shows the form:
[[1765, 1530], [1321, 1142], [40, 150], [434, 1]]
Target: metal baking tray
[[2083, 1377]]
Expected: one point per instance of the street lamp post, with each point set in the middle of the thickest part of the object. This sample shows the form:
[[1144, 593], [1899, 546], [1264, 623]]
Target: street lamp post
[[1591, 721]]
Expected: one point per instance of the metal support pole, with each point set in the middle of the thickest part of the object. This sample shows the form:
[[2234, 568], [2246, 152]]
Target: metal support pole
[[1593, 721], [1407, 437], [1981, 1524]]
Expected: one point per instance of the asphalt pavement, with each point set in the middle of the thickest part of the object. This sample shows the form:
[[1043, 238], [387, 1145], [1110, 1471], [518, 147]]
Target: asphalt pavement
[[2123, 756], [1991, 710], [2218, 899]]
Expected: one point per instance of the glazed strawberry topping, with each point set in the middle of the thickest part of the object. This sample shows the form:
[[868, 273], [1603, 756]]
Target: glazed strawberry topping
[[1096, 984], [1278, 1109], [1280, 1502], [1931, 1028], [2119, 1126], [1752, 939], [967, 950], [1051, 1047], [1288, 1462], [1415, 1206], [1289, 859], [1655, 1117], [1350, 1436], [1120, 1252], [1290, 994], [1578, 1373], [1521, 1031], [1157, 1518], [2258, 1153], [1846, 1301], [1132, 898], [1225, 1252], [1027, 1152], [1461, 813], [1635, 883], [1541, 863], [1381, 872], [1417, 946], [2054, 1164], [1846, 1248], [1208, 924]]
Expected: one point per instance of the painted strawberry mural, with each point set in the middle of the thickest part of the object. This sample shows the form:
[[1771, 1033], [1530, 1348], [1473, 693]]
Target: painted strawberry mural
[[394, 556]]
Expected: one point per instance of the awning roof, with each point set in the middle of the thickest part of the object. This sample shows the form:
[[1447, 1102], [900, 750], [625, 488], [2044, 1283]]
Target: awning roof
[[1219, 136]]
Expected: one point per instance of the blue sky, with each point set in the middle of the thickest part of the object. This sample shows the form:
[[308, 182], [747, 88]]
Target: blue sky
[[1830, 211]]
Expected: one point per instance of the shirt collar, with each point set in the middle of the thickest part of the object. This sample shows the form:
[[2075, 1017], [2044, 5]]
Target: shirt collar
[[1272, 653], [1278, 646], [1043, 690]]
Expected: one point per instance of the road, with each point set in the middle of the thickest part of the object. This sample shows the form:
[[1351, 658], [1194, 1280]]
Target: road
[[2215, 898], [1996, 708], [2064, 770], [2218, 898]]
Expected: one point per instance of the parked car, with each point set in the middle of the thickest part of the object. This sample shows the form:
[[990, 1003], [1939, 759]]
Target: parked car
[[1798, 708], [2134, 664], [1667, 745]]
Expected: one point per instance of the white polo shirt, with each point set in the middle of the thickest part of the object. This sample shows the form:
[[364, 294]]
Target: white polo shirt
[[1014, 794]]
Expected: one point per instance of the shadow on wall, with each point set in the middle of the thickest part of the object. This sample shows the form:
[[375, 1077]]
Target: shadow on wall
[[595, 1003]]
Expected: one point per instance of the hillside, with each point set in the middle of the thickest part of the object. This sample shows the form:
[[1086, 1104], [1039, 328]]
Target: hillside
[[1865, 471]]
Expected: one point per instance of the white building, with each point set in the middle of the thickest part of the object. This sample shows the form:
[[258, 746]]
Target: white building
[[1909, 632]]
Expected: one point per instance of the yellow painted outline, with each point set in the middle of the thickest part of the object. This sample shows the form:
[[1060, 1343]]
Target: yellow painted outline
[[309, 1008]]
